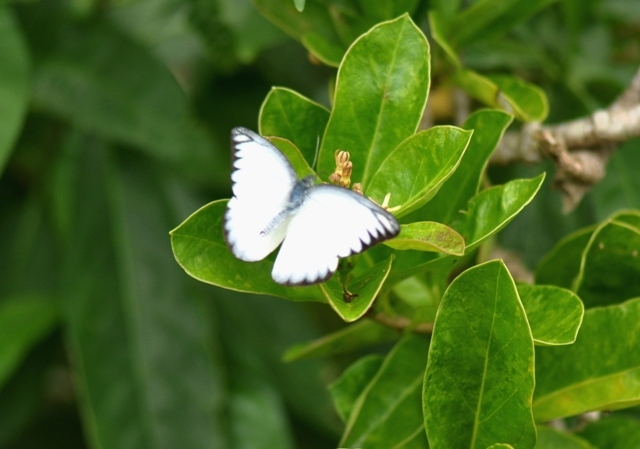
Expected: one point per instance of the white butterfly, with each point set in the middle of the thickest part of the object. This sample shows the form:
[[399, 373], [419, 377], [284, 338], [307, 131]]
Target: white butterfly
[[316, 224]]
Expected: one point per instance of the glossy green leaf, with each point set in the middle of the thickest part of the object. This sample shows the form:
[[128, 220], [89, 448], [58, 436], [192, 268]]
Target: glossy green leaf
[[614, 432], [481, 361], [488, 127], [492, 209], [500, 446], [561, 266], [380, 97], [554, 313], [106, 83], [388, 412], [14, 82], [416, 169], [24, 320], [490, 18], [127, 313], [549, 438], [600, 371], [287, 114], [428, 236], [352, 382], [354, 337], [524, 100], [360, 293], [200, 249], [610, 270], [293, 154]]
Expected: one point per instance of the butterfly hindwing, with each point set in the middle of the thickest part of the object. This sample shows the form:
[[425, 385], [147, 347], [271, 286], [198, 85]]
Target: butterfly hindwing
[[332, 222], [262, 179]]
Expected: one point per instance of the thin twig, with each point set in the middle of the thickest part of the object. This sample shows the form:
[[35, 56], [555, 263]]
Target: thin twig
[[401, 323]]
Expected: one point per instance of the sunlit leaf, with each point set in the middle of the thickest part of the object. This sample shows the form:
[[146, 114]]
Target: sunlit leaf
[[428, 236], [480, 370], [380, 97]]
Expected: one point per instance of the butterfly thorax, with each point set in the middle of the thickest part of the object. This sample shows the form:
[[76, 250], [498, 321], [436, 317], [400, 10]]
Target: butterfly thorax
[[296, 198]]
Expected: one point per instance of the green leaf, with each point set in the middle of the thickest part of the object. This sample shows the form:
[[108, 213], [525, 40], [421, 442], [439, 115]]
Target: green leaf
[[492, 209], [127, 313], [554, 313], [561, 265], [490, 18], [285, 113], [24, 320], [388, 413], [105, 83], [380, 97], [610, 270], [354, 337], [428, 236], [200, 249], [480, 370], [500, 446], [600, 371], [365, 288], [327, 52], [15, 72], [529, 101], [415, 170], [352, 382], [549, 438], [614, 432], [488, 127], [525, 100]]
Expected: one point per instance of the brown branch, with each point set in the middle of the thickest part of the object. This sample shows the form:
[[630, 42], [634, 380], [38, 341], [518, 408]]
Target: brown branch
[[580, 148]]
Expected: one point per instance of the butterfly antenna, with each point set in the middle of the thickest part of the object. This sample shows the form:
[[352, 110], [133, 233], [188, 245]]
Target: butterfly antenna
[[315, 157]]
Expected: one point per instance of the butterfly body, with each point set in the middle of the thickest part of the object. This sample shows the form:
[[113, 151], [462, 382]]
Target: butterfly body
[[316, 223]]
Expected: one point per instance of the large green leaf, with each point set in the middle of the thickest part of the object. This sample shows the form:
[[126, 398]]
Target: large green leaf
[[24, 321], [416, 169], [346, 390], [288, 114], [610, 269], [105, 83], [600, 371], [380, 97], [200, 249], [488, 127], [492, 209], [356, 336], [480, 370], [127, 314], [554, 313], [614, 432], [14, 82], [561, 265], [387, 413]]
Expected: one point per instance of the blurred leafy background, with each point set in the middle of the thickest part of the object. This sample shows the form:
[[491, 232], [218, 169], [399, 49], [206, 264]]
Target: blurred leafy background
[[114, 127]]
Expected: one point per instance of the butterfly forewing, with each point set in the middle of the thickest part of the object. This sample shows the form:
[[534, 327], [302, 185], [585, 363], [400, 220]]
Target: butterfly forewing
[[332, 222], [262, 180]]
